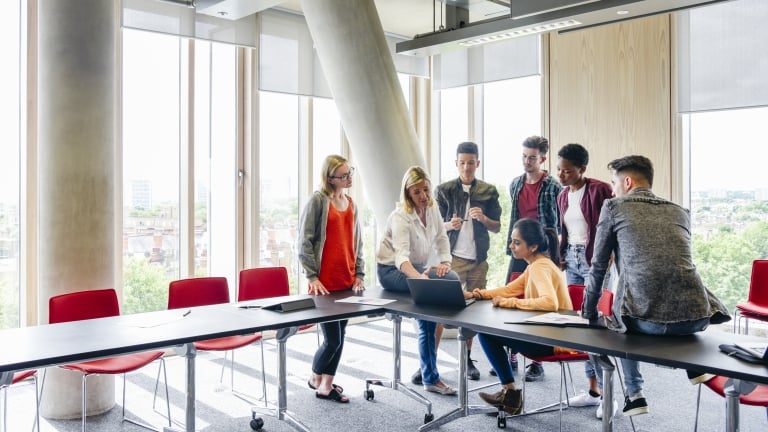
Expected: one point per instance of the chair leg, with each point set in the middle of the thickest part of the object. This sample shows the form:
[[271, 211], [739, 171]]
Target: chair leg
[[85, 398], [698, 403], [167, 400], [263, 372], [37, 406], [5, 408]]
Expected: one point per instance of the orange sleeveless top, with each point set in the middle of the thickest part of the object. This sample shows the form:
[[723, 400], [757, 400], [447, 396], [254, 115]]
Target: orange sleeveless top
[[337, 266]]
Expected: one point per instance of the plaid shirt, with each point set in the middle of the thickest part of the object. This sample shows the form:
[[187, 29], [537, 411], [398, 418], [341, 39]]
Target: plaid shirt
[[546, 206]]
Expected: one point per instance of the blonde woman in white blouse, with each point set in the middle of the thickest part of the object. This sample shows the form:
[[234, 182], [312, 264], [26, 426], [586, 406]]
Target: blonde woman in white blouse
[[415, 231]]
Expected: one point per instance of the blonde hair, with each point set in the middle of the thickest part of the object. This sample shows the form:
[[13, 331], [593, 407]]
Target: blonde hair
[[413, 175], [330, 165]]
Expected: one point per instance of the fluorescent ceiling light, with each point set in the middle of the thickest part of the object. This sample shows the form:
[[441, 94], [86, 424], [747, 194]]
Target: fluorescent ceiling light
[[520, 32]]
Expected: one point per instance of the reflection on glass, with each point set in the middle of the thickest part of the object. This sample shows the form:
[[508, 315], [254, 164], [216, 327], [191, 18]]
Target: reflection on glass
[[150, 168]]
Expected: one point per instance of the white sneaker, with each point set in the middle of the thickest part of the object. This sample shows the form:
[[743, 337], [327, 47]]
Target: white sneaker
[[584, 399], [599, 411]]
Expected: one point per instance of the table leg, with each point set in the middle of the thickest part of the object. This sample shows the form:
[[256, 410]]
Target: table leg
[[733, 389], [281, 410], [189, 352], [464, 409], [395, 383], [608, 369]]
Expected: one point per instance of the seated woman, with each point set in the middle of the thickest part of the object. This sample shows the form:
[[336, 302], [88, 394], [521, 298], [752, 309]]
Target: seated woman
[[414, 231], [544, 288]]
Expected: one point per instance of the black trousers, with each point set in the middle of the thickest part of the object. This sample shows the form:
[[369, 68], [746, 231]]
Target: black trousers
[[328, 355]]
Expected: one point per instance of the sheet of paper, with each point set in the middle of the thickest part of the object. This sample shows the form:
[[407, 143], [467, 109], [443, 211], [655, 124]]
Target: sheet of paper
[[554, 318], [372, 301]]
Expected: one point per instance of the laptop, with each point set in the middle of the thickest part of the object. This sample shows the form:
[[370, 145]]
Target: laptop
[[444, 293]]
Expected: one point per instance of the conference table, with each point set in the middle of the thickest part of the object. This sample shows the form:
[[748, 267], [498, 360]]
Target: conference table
[[698, 352], [56, 344], [76, 341]]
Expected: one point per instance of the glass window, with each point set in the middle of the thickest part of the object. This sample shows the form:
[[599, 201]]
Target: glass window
[[505, 125], [729, 205], [454, 128], [10, 141], [216, 180], [279, 181], [150, 168], [326, 135]]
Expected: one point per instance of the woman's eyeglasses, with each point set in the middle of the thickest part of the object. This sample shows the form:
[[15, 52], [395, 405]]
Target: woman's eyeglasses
[[345, 176]]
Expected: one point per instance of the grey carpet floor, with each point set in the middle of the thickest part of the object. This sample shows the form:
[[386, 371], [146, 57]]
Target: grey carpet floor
[[367, 354]]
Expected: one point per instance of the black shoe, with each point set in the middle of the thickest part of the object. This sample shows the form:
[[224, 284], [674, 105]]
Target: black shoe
[[472, 372], [635, 407], [416, 378], [698, 377], [535, 372]]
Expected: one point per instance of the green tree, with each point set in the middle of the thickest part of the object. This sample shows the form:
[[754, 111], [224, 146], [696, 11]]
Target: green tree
[[146, 286], [498, 260], [724, 262]]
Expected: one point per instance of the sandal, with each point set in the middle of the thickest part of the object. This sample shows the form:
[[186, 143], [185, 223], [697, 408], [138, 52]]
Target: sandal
[[338, 388], [334, 396]]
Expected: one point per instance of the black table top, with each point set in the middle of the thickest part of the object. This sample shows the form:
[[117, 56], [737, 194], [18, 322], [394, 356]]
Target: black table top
[[54, 344], [697, 352], [49, 345]]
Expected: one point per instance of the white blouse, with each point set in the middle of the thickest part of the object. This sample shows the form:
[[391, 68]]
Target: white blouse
[[407, 239]]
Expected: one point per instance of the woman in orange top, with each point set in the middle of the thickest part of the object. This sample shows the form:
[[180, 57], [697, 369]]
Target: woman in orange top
[[333, 265], [543, 287]]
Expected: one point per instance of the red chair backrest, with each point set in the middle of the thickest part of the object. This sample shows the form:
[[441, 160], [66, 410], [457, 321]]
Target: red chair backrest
[[758, 283], [576, 291], [82, 305], [263, 282], [513, 276], [605, 304], [200, 291]]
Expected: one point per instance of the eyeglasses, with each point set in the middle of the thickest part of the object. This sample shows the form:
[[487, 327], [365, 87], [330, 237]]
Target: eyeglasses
[[345, 176]]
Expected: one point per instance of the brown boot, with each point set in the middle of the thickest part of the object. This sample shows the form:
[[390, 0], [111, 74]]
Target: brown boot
[[495, 399], [513, 402]]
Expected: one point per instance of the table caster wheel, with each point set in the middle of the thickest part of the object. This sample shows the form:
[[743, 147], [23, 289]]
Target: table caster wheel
[[368, 394], [501, 421], [428, 418], [257, 423]]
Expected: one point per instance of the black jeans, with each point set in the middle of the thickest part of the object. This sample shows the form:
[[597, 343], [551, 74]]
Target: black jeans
[[328, 355]]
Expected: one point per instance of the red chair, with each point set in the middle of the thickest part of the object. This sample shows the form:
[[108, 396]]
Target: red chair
[[15, 378], [83, 305], [576, 293], [756, 306], [204, 291], [757, 397]]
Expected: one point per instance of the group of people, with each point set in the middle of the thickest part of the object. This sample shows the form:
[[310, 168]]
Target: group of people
[[566, 230]]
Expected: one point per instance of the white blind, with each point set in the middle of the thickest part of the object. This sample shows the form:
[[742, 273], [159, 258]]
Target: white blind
[[288, 62], [514, 58], [723, 56], [179, 20]]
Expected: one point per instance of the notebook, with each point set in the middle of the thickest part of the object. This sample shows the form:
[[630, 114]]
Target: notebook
[[756, 349], [438, 292]]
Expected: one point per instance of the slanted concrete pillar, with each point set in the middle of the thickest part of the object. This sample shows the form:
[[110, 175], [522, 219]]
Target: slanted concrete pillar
[[361, 75], [76, 154]]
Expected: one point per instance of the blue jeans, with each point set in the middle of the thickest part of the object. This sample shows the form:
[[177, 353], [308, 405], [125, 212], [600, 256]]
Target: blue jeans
[[576, 272], [392, 279], [633, 379], [328, 355], [493, 347]]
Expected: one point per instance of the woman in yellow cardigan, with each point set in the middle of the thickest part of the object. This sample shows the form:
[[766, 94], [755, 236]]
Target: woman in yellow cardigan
[[543, 287]]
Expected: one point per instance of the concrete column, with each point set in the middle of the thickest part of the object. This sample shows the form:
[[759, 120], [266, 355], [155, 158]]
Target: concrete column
[[76, 141], [361, 75]]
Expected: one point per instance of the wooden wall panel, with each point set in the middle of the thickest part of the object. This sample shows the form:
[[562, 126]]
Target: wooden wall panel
[[609, 90]]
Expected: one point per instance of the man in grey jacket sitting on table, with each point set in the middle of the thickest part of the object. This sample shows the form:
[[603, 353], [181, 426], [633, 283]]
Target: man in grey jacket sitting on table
[[659, 291]]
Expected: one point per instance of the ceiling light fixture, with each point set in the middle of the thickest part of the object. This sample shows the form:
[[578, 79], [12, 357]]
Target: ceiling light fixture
[[622, 12], [542, 28]]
